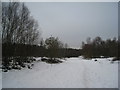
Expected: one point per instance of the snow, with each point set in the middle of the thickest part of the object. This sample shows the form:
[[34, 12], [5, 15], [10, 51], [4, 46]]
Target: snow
[[72, 73]]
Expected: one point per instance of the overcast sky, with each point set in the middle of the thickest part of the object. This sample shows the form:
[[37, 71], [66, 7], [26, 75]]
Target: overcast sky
[[73, 22]]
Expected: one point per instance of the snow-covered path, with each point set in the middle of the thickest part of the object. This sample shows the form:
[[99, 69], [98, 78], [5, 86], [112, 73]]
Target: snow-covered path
[[72, 73]]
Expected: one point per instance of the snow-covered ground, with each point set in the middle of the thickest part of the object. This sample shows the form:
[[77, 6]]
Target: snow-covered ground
[[72, 73]]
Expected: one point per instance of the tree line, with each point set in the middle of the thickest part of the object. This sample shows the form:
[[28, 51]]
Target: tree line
[[98, 47], [26, 50]]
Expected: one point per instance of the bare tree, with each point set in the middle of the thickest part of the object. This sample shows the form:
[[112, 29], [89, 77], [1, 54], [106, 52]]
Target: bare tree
[[18, 25]]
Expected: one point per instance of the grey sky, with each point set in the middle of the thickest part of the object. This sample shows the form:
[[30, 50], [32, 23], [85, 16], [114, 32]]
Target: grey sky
[[73, 22]]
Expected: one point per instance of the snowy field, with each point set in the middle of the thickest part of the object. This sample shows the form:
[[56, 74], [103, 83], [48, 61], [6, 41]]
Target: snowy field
[[72, 73]]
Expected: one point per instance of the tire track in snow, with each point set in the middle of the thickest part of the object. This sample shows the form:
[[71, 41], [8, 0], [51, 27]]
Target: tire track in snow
[[85, 78]]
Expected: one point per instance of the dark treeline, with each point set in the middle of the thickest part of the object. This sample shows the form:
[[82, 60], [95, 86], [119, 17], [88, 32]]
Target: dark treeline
[[98, 47], [26, 50]]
